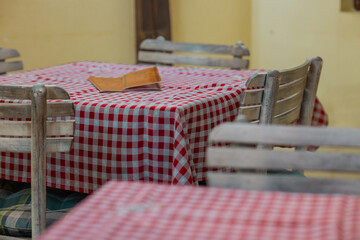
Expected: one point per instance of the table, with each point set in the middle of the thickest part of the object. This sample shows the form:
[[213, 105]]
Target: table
[[150, 136], [135, 210]]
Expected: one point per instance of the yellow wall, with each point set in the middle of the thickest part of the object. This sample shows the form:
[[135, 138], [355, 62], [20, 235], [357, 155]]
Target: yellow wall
[[48, 33], [55, 32], [285, 32], [211, 21], [279, 33]]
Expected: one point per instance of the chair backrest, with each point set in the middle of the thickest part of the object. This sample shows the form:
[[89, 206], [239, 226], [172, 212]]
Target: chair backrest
[[243, 156], [282, 97], [163, 52], [50, 130], [6, 66]]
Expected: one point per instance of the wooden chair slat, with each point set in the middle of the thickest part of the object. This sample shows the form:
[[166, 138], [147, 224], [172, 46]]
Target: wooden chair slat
[[63, 144], [15, 145], [192, 60], [288, 117], [283, 183], [291, 88], [60, 109], [23, 128], [254, 96], [289, 75], [23, 145], [164, 45], [162, 52], [15, 110], [292, 106], [10, 66], [24, 92], [245, 158], [251, 112], [291, 136], [256, 80], [251, 97], [23, 110], [6, 53], [289, 103]]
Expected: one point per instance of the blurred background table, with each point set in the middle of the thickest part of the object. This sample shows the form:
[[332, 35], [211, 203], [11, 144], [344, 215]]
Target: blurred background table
[[134, 210], [157, 136]]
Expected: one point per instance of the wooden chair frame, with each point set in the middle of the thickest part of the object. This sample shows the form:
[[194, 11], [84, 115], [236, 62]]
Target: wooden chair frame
[[47, 132], [162, 52], [284, 96], [6, 66], [242, 155]]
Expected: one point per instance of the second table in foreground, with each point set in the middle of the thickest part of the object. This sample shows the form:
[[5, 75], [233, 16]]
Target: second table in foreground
[[133, 210]]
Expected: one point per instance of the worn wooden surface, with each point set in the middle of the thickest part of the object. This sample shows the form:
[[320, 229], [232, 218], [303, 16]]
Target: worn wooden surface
[[6, 53], [295, 97], [299, 135], [25, 91], [38, 136], [23, 128], [23, 110], [160, 51], [24, 144], [8, 66], [38, 160], [165, 45], [284, 183], [242, 155]]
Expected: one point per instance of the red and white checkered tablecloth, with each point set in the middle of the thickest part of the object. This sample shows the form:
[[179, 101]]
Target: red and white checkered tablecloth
[[134, 210], [157, 136]]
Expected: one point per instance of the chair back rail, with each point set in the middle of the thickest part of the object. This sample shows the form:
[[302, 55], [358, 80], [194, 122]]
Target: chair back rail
[[39, 136], [23, 110], [242, 155], [10, 66], [23, 128], [170, 58], [161, 44], [25, 92], [24, 145], [294, 99], [160, 51], [7, 53], [284, 183]]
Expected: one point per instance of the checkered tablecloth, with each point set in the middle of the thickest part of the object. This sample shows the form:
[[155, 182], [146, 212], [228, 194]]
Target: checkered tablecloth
[[157, 136], [134, 210]]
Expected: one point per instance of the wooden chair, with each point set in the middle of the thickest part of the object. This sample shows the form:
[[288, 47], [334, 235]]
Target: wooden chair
[[47, 132], [242, 155], [282, 97], [5, 66], [160, 51]]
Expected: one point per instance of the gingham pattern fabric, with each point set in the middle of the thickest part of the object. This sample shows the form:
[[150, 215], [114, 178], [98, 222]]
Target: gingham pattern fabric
[[157, 136], [16, 220], [134, 210], [15, 207]]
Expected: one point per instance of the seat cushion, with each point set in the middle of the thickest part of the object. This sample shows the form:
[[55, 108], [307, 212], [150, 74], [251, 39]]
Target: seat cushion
[[16, 220], [15, 206]]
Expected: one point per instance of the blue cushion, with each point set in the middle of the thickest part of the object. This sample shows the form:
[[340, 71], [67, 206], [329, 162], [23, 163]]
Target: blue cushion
[[15, 206]]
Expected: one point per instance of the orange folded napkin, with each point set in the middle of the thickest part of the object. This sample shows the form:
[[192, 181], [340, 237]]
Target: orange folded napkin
[[145, 79]]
